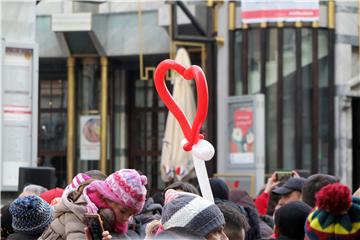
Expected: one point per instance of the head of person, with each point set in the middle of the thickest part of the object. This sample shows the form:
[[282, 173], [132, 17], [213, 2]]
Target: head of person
[[193, 214], [51, 194], [30, 215], [236, 224], [219, 188], [6, 221], [290, 191], [123, 192], [242, 198], [176, 233], [83, 179], [33, 189], [290, 220], [183, 187], [313, 185], [336, 214]]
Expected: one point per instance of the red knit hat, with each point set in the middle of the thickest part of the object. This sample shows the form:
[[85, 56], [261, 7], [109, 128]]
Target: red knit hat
[[51, 194], [336, 215]]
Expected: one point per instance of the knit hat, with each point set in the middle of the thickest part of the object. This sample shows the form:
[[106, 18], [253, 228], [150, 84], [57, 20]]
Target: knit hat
[[30, 215], [191, 212], [290, 219], [51, 194], [336, 215], [125, 187], [219, 188], [77, 180]]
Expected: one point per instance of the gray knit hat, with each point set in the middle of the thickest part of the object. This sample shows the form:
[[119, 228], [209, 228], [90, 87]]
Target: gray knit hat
[[195, 214], [30, 215]]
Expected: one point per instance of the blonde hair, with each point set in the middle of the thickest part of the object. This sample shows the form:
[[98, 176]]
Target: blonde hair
[[151, 229], [357, 193]]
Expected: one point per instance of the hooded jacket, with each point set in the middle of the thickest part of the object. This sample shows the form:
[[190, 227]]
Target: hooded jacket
[[69, 220]]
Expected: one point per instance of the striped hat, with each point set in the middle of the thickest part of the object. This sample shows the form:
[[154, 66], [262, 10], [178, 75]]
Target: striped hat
[[336, 215], [77, 180], [191, 212]]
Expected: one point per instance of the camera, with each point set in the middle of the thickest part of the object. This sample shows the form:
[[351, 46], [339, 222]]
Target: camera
[[95, 226]]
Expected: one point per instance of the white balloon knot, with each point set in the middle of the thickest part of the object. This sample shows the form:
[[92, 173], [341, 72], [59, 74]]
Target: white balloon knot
[[203, 150]]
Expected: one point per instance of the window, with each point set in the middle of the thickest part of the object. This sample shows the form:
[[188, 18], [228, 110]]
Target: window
[[297, 91], [52, 117]]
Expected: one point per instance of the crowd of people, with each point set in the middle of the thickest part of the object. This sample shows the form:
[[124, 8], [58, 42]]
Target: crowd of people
[[317, 207]]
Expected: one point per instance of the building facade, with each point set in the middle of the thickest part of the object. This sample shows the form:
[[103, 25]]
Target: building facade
[[311, 101], [96, 61]]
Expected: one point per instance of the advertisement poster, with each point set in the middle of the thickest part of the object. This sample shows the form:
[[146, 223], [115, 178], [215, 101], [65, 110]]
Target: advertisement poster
[[17, 112], [90, 137], [257, 11], [241, 134]]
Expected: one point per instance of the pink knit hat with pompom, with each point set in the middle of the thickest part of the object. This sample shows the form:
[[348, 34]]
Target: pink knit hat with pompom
[[125, 187]]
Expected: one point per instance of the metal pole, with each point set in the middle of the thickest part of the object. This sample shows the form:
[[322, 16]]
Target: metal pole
[[103, 129], [70, 120]]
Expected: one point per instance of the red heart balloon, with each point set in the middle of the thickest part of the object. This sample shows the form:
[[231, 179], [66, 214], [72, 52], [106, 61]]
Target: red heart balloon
[[191, 132]]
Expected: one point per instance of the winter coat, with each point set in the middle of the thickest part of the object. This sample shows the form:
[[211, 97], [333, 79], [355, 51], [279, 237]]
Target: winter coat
[[137, 224], [69, 220], [261, 203], [22, 236]]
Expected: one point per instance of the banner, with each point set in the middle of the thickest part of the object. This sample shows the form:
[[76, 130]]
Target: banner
[[17, 112], [90, 137], [256, 11]]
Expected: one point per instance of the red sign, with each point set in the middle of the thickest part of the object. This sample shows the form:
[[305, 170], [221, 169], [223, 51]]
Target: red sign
[[256, 11]]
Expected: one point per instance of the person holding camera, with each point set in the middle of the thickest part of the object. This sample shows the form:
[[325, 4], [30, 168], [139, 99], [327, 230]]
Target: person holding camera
[[290, 191]]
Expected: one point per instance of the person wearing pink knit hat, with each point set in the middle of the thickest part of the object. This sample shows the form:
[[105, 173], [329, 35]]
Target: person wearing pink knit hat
[[119, 196]]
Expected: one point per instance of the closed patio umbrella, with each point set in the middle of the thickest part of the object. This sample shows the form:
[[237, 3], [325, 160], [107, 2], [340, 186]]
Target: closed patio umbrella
[[175, 162]]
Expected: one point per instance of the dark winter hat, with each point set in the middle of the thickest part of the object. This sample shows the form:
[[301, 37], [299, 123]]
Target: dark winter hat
[[336, 215], [242, 198], [290, 219], [219, 188], [30, 215], [191, 212], [293, 184], [6, 220]]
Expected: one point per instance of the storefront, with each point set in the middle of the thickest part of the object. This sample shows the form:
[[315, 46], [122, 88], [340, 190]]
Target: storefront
[[292, 64], [87, 73]]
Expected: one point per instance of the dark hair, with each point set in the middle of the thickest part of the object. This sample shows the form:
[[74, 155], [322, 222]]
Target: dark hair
[[183, 186], [313, 184], [6, 221], [290, 220], [234, 221], [219, 188], [158, 197]]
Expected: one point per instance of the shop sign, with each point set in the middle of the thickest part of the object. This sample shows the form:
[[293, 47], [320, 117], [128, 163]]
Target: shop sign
[[256, 11]]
